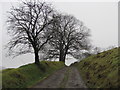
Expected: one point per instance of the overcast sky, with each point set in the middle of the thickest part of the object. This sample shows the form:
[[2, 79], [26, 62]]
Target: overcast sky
[[100, 17]]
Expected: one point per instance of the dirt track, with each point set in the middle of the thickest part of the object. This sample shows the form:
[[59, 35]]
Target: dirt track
[[67, 77]]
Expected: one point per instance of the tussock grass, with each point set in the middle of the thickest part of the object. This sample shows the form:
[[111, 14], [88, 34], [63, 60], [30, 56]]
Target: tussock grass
[[101, 70], [27, 75]]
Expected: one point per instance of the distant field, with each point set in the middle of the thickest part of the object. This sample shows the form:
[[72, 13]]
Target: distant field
[[101, 70], [1, 68], [28, 75]]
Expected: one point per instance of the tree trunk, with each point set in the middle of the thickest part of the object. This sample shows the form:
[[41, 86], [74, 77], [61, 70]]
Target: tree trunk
[[64, 57], [65, 53], [61, 57], [36, 57]]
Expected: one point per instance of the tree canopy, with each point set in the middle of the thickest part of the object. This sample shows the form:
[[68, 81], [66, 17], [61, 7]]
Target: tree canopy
[[28, 25], [34, 25], [69, 35]]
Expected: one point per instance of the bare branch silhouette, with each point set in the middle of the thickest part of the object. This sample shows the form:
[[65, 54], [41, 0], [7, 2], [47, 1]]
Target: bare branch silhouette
[[28, 25], [69, 35]]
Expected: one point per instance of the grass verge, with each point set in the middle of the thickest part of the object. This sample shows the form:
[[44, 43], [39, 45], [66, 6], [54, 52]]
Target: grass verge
[[101, 70], [27, 75]]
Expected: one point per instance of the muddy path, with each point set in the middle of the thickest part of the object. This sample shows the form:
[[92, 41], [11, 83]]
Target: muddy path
[[74, 79], [67, 77]]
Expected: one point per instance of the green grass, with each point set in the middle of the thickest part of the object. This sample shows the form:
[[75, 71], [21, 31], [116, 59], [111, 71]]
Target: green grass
[[0, 79], [101, 70], [28, 75]]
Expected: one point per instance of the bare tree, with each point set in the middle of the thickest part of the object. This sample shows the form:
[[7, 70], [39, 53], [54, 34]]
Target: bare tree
[[69, 35], [28, 26]]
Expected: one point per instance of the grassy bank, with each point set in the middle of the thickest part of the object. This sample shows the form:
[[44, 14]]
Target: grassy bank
[[28, 75], [101, 70]]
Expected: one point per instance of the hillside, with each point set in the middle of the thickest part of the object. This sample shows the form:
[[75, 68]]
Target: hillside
[[101, 70], [28, 75]]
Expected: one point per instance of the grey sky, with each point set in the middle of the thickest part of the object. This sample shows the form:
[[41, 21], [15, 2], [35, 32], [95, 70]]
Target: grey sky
[[100, 17]]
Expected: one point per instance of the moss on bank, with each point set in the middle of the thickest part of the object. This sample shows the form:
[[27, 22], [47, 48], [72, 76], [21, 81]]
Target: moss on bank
[[27, 75], [101, 70]]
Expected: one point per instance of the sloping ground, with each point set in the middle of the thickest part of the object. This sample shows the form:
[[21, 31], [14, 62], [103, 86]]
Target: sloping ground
[[27, 75], [101, 70]]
